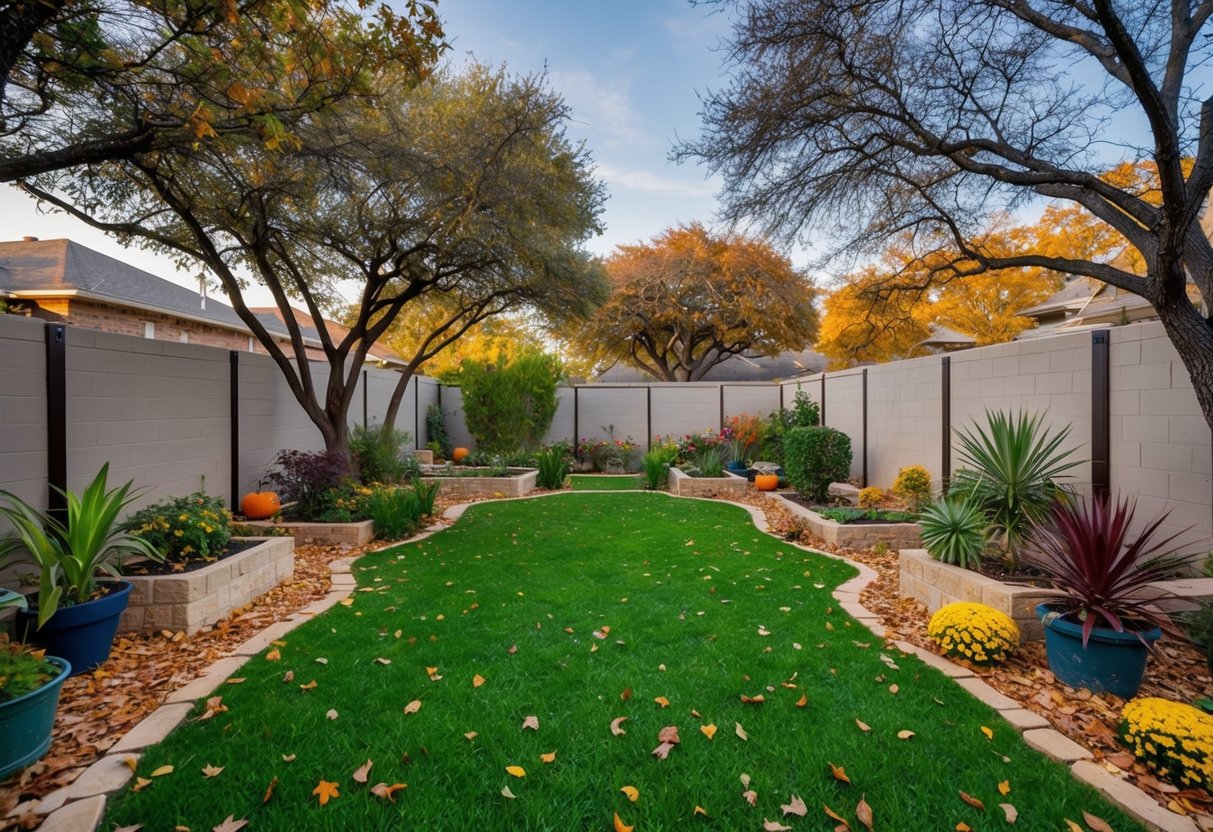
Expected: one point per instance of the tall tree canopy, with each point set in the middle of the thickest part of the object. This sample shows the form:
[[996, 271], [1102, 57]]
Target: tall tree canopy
[[463, 185], [889, 117], [91, 81], [690, 299]]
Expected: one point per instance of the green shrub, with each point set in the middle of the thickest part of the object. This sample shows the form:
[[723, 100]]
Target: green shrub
[[184, 528], [395, 511], [657, 466], [427, 495], [913, 484], [805, 412], [954, 531], [814, 457], [509, 407], [435, 429], [21, 670], [378, 455], [709, 462], [553, 465], [313, 480], [850, 515]]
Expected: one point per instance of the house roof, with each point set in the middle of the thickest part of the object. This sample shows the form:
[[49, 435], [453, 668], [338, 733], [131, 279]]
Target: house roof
[[942, 336], [790, 364], [271, 316], [1073, 295]]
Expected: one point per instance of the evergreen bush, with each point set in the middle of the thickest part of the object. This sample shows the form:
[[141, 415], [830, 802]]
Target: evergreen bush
[[814, 457]]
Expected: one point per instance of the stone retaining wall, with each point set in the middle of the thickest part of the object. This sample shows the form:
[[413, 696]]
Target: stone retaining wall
[[329, 534], [518, 485], [688, 486], [856, 535], [191, 600]]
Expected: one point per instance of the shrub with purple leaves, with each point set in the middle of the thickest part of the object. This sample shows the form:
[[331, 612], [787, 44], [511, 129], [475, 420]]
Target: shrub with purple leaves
[[306, 478]]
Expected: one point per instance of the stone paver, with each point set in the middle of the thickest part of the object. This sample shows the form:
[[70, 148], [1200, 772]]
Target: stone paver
[[1022, 719], [935, 660], [1055, 744], [155, 727], [76, 817], [1132, 799], [106, 776], [205, 684], [262, 640], [987, 694], [856, 610]]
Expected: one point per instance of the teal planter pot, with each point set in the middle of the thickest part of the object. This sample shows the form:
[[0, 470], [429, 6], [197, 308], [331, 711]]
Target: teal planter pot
[[737, 467], [82, 633], [1111, 662], [25, 722]]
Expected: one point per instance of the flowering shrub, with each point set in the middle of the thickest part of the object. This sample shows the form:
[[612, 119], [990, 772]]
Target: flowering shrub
[[306, 478], [871, 497], [913, 484], [981, 634], [610, 453], [185, 528], [1173, 739], [690, 444], [743, 433]]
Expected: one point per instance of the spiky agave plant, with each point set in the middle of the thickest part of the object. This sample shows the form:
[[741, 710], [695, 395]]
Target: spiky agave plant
[[1088, 550]]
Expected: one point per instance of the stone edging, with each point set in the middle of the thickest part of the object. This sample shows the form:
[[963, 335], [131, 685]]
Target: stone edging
[[81, 804]]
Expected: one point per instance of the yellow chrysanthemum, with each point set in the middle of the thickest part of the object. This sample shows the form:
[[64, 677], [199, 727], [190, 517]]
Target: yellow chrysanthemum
[[976, 632], [1173, 739]]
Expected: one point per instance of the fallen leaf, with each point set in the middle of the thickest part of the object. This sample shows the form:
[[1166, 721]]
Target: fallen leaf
[[745, 780], [210, 771], [230, 824], [751, 797], [963, 827], [1004, 788], [381, 660], [321, 660], [363, 772], [516, 771], [162, 771], [802, 701], [840, 774], [431, 671], [626, 694], [699, 810], [413, 707], [972, 801], [620, 826], [708, 731], [753, 700], [669, 734], [1010, 811], [632, 794], [325, 791], [775, 826], [863, 812], [843, 823], [662, 751], [309, 686], [1097, 824], [505, 792], [513, 649], [615, 723], [388, 792], [470, 735], [795, 806], [288, 758], [130, 761], [549, 757], [531, 722], [662, 701], [988, 732], [346, 602], [273, 655], [739, 731], [477, 680], [863, 726], [905, 735], [141, 783], [331, 713], [1071, 826], [269, 790]]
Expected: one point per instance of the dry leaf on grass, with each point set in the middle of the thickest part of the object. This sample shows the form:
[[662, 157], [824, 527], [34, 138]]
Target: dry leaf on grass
[[739, 731], [505, 792], [840, 774], [795, 806], [331, 713], [631, 792], [269, 790], [1097, 824], [620, 826], [210, 771], [162, 771], [708, 731], [1010, 811], [972, 801], [662, 701], [362, 773], [669, 734], [615, 723], [751, 797], [531, 722], [774, 826], [477, 680], [516, 771], [1004, 788], [230, 824], [843, 823], [905, 735], [387, 792], [413, 707], [863, 812], [326, 790], [662, 751], [549, 757], [863, 726], [802, 701]]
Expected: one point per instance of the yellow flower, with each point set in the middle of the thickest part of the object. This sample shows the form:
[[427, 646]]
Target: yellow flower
[[1173, 739], [975, 631]]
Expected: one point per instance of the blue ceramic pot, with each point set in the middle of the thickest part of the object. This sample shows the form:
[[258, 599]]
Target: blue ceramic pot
[[82, 633], [25, 722], [1111, 662]]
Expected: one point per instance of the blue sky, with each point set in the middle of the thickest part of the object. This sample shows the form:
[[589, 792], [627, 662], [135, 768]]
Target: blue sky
[[629, 69]]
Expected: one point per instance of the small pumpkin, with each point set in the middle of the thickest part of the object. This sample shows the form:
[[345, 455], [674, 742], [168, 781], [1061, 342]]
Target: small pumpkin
[[766, 482], [258, 505], [458, 454]]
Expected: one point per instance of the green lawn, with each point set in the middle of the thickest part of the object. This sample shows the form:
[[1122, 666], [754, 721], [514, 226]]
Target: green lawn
[[599, 482], [702, 609]]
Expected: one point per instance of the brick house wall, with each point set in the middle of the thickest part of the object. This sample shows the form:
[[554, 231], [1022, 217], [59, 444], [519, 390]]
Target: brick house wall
[[122, 320]]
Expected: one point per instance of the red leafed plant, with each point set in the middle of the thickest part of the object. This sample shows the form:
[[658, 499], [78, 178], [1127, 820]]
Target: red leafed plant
[[1088, 550]]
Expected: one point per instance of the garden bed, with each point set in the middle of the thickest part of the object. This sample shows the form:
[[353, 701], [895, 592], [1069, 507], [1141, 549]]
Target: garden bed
[[358, 533], [856, 535], [192, 600], [478, 482], [685, 485]]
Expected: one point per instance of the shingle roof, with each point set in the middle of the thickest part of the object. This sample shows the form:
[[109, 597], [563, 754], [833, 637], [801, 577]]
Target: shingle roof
[[737, 368]]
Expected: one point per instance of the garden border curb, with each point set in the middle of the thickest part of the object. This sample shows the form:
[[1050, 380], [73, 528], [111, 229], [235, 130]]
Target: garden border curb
[[69, 805]]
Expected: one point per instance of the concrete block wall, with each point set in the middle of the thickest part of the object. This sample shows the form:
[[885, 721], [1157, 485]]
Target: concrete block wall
[[904, 428], [23, 408]]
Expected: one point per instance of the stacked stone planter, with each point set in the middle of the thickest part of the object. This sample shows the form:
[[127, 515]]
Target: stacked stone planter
[[514, 485], [359, 533], [856, 535], [190, 601], [688, 486]]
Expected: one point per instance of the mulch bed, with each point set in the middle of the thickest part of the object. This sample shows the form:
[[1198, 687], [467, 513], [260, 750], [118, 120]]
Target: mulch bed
[[1176, 671]]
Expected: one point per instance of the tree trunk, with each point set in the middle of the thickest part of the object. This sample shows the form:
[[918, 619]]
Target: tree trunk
[[1192, 337], [393, 404]]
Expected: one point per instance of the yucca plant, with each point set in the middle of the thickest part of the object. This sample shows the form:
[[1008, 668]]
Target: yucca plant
[[656, 466], [954, 531], [553, 465], [1087, 549], [710, 462], [427, 495], [1013, 465], [72, 555]]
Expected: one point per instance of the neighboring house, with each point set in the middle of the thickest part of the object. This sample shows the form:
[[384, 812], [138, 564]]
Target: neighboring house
[[63, 281], [1086, 303], [786, 365], [943, 339]]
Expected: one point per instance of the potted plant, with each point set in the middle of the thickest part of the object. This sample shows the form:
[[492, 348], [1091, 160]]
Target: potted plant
[[29, 694], [75, 615], [1098, 634]]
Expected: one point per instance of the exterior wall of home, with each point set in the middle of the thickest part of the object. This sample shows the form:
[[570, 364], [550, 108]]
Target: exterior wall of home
[[86, 314]]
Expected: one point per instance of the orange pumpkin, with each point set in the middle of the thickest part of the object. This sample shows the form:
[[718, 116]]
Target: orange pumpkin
[[766, 482], [259, 505], [458, 454]]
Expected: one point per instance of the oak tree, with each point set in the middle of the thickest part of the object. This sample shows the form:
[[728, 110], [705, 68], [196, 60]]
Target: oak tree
[[886, 117], [691, 299]]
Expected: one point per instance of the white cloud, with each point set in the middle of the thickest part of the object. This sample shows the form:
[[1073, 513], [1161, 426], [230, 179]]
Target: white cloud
[[606, 109], [633, 179]]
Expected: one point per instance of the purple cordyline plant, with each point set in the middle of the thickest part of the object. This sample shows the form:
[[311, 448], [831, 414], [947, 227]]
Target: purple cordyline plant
[[1087, 549]]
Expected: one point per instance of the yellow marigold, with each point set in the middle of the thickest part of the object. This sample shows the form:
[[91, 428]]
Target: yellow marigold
[[981, 634], [1173, 739]]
